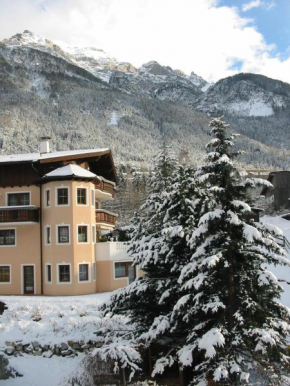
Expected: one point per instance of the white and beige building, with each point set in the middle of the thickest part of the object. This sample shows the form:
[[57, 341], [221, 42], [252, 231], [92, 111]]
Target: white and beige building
[[51, 219]]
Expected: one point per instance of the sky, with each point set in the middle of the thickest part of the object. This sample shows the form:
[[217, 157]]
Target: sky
[[213, 38]]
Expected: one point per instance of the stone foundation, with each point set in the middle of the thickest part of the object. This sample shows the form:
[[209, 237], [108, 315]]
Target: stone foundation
[[68, 349]]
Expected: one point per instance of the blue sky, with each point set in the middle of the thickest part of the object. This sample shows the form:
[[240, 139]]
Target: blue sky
[[213, 38], [271, 18]]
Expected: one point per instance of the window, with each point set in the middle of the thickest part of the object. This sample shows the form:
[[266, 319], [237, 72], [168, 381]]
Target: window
[[94, 272], [7, 237], [93, 197], [82, 233], [47, 197], [94, 233], [124, 270], [81, 196], [5, 274], [47, 235], [64, 273], [48, 273], [62, 196], [120, 269], [83, 272], [63, 234], [17, 199]]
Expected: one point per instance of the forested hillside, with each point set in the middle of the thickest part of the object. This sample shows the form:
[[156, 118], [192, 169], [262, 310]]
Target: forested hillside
[[84, 99]]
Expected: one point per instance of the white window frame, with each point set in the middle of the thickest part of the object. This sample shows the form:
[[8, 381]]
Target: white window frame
[[46, 273], [89, 272], [88, 234], [94, 268], [68, 196], [12, 245], [70, 274], [56, 233], [45, 198], [94, 234], [87, 195], [10, 274], [93, 197], [45, 235], [17, 192]]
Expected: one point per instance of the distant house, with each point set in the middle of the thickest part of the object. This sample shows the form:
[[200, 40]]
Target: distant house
[[279, 194], [51, 221]]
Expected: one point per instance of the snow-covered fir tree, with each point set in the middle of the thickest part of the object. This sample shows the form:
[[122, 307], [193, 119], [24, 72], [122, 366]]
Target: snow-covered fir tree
[[235, 323], [140, 300], [160, 248]]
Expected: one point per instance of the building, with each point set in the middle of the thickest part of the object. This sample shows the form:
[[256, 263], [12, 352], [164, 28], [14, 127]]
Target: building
[[279, 193], [51, 218]]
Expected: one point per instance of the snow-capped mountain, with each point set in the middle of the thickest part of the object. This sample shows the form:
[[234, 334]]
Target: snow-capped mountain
[[246, 95], [151, 79], [81, 96]]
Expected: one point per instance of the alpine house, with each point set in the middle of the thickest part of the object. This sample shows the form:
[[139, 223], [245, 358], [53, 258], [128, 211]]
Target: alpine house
[[51, 221]]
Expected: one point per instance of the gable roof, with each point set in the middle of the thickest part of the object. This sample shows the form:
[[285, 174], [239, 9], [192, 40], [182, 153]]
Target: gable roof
[[71, 170], [14, 168], [50, 157]]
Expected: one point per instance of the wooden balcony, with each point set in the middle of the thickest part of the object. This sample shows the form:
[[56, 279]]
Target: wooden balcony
[[103, 217], [23, 214], [105, 187]]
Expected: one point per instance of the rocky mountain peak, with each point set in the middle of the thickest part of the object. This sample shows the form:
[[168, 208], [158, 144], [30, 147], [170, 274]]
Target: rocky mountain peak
[[27, 38], [246, 95], [155, 68], [197, 80]]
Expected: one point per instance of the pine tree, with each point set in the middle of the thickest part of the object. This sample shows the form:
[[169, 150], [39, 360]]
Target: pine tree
[[234, 321], [140, 300], [160, 248]]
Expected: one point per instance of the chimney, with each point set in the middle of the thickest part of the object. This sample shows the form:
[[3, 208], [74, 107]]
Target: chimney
[[44, 145]]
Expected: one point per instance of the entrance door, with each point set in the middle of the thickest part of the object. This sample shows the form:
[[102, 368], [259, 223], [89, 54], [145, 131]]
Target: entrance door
[[132, 273], [28, 275]]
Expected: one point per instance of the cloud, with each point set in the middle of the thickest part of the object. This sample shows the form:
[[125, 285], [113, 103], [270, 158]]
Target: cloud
[[202, 36], [268, 5], [252, 4]]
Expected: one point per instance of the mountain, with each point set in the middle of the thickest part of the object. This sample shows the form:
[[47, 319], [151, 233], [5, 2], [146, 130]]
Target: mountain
[[246, 95], [82, 97], [255, 105]]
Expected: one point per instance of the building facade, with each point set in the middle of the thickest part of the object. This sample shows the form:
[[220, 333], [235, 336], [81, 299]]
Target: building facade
[[279, 193], [51, 219]]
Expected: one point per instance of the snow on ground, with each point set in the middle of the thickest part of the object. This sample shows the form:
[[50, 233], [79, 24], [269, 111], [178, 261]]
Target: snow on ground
[[253, 107], [66, 318], [63, 318], [49, 319], [282, 272], [114, 119], [39, 371]]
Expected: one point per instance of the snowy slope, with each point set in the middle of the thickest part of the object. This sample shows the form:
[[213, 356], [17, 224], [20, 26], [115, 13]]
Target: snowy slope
[[245, 95]]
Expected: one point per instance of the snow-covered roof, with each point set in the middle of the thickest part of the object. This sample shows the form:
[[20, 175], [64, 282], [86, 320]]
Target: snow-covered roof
[[34, 157], [71, 170]]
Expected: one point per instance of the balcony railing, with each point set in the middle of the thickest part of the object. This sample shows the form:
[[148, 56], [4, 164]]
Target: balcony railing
[[105, 217], [105, 187], [112, 250], [19, 214]]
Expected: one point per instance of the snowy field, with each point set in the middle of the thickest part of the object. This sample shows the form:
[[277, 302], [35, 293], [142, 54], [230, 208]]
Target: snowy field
[[62, 319], [48, 319], [52, 320]]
